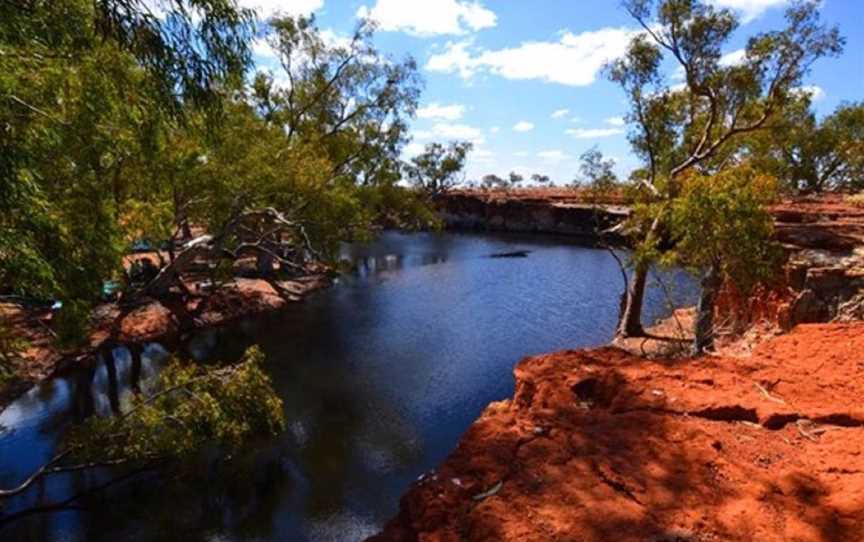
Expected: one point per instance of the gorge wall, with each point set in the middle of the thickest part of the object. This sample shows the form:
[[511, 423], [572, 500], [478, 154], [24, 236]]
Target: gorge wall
[[823, 237]]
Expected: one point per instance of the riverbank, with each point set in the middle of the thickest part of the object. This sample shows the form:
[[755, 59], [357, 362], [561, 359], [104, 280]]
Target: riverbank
[[822, 236], [602, 445], [633, 442], [823, 222], [150, 320]]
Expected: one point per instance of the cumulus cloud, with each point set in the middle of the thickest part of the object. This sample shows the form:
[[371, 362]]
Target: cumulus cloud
[[430, 17], [593, 133], [449, 131], [439, 111], [616, 121], [574, 59], [262, 49], [749, 9], [560, 114], [523, 126], [482, 156], [269, 8], [554, 155], [816, 92], [413, 149], [494, 129], [733, 58]]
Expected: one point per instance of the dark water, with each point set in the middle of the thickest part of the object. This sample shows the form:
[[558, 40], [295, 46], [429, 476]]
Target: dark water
[[380, 375]]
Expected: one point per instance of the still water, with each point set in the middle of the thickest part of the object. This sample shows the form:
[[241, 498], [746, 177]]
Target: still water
[[380, 375]]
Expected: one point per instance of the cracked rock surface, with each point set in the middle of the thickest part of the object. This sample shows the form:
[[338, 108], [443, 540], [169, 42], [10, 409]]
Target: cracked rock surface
[[600, 445]]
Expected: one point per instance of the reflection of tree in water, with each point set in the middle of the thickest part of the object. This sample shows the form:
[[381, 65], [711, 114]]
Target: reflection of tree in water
[[344, 437], [278, 482]]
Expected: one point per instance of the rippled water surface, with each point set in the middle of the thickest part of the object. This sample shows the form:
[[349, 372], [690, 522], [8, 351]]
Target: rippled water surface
[[380, 375]]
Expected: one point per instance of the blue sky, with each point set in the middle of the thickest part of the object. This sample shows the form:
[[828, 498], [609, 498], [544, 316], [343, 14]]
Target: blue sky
[[521, 79]]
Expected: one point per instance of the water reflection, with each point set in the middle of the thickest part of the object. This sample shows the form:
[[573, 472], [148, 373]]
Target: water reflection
[[379, 376]]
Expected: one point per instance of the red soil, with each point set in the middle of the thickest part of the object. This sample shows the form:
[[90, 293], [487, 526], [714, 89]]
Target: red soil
[[602, 445]]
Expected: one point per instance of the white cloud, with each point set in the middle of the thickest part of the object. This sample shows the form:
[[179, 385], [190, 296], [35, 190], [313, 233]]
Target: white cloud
[[523, 126], [269, 8], [554, 155], [262, 49], [816, 92], [429, 17], [574, 60], [482, 156], [439, 111], [733, 59], [448, 132], [616, 121], [593, 133], [494, 129], [333, 39], [561, 113], [749, 9], [413, 149], [456, 58], [520, 154]]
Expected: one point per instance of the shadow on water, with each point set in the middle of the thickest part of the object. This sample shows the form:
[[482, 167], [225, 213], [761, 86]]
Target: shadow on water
[[379, 376]]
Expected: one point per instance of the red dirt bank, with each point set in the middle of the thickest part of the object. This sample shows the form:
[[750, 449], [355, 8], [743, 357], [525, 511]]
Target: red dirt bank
[[601, 445]]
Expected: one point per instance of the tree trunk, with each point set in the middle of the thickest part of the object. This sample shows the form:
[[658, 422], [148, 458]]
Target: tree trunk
[[265, 262], [170, 274], [111, 370], [82, 404], [135, 373], [630, 322], [704, 336]]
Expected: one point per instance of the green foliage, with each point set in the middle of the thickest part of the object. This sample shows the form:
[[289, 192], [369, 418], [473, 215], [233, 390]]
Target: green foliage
[[119, 123], [856, 199], [721, 222], [72, 322], [704, 122], [194, 407], [82, 85], [813, 155], [597, 175], [701, 128], [437, 169], [10, 345]]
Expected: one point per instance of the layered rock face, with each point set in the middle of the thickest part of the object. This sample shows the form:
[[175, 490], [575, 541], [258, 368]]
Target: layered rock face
[[513, 212], [823, 236], [601, 445]]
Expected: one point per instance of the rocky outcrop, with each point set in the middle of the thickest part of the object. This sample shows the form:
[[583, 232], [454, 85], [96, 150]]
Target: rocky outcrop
[[823, 237], [512, 212], [601, 445]]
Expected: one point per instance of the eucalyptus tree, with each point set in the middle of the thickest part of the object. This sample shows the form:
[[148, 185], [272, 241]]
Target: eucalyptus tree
[[304, 158], [493, 181], [597, 174], [700, 126], [438, 169], [810, 154], [83, 85], [540, 179]]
